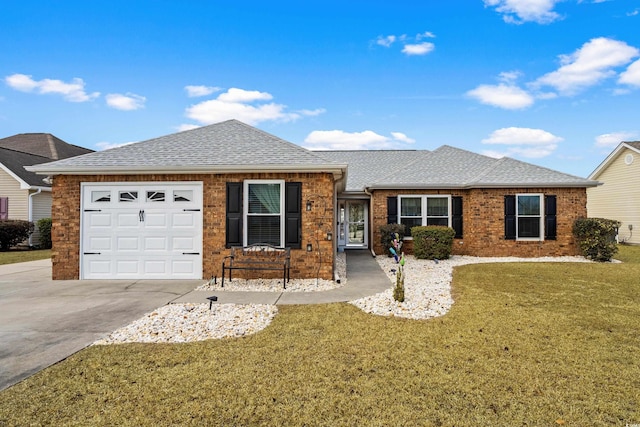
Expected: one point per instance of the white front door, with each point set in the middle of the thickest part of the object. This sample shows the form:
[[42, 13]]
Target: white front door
[[141, 231], [353, 224]]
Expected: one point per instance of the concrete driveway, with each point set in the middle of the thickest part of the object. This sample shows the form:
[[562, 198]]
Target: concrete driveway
[[43, 321]]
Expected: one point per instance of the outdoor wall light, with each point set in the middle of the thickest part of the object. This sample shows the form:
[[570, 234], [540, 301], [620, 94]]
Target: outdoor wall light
[[329, 236], [309, 247], [308, 205]]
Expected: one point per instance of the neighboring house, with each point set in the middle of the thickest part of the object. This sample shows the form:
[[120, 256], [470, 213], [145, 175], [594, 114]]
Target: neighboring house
[[170, 207], [618, 197], [23, 194]]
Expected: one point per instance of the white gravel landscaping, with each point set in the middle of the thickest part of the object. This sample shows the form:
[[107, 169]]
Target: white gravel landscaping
[[427, 295]]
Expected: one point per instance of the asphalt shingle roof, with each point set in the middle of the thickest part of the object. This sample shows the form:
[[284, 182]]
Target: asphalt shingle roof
[[15, 162], [445, 167], [218, 147], [42, 144], [235, 146]]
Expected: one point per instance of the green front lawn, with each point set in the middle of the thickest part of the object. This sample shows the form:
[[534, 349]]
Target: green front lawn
[[14, 256], [524, 344]]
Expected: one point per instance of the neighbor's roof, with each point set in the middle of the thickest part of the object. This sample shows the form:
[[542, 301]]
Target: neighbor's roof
[[229, 146], [42, 144], [13, 162], [447, 167], [632, 145]]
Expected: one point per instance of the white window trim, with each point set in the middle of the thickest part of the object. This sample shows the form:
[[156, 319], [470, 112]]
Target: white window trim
[[423, 202], [540, 223], [245, 207]]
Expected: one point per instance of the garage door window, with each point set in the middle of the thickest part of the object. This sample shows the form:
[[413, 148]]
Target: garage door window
[[155, 196], [182, 195], [128, 196], [101, 196]]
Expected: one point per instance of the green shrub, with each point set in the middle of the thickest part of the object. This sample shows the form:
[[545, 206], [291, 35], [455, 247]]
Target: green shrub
[[14, 231], [432, 241], [44, 228], [387, 233], [597, 237]]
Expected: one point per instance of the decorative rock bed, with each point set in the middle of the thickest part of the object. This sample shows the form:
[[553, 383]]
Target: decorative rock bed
[[427, 295]]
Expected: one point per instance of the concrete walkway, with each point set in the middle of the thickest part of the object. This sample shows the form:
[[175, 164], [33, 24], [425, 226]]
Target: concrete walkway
[[43, 321], [365, 278]]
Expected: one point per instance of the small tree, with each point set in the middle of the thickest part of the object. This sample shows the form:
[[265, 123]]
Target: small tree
[[44, 228], [14, 231], [597, 237]]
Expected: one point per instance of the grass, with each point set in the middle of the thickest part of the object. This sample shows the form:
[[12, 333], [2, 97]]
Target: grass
[[524, 344], [14, 256]]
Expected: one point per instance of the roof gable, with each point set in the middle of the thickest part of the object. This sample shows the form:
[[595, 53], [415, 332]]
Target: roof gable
[[633, 146], [223, 147], [13, 162]]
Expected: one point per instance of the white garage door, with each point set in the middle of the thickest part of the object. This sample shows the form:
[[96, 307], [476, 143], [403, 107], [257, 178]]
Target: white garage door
[[141, 231]]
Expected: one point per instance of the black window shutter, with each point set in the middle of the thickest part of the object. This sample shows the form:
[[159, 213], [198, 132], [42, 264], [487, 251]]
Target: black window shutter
[[293, 215], [456, 216], [392, 210], [550, 218], [510, 217], [234, 214]]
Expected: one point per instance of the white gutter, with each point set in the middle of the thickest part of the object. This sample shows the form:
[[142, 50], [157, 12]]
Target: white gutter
[[337, 169], [30, 214]]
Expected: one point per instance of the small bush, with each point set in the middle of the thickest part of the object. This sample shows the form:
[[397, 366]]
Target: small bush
[[388, 232], [597, 237], [432, 241], [44, 228], [14, 231]]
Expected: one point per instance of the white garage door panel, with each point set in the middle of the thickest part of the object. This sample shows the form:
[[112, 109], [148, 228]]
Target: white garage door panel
[[99, 244], [98, 219], [183, 219], [158, 243], [128, 243], [141, 231], [127, 219]]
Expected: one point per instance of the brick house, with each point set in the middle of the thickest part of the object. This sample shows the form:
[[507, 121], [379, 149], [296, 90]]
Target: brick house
[[170, 207]]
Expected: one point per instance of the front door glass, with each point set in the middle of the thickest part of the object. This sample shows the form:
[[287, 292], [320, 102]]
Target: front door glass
[[356, 223]]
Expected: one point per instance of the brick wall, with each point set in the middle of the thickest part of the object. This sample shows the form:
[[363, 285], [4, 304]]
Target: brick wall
[[316, 187], [483, 222]]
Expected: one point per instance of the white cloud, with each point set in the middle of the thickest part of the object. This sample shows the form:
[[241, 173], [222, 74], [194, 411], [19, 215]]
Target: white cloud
[[507, 96], [196, 91], [341, 140], [241, 95], [611, 140], [411, 46], [109, 145], [246, 106], [632, 75], [312, 113], [386, 41], [418, 49], [399, 136], [187, 126], [520, 11], [589, 65], [126, 102], [73, 92], [523, 142]]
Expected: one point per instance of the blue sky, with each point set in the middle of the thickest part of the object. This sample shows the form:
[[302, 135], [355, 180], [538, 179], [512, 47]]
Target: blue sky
[[551, 82]]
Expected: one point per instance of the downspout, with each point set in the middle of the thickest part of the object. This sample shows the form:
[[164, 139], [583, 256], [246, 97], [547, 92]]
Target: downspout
[[30, 215], [366, 191]]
